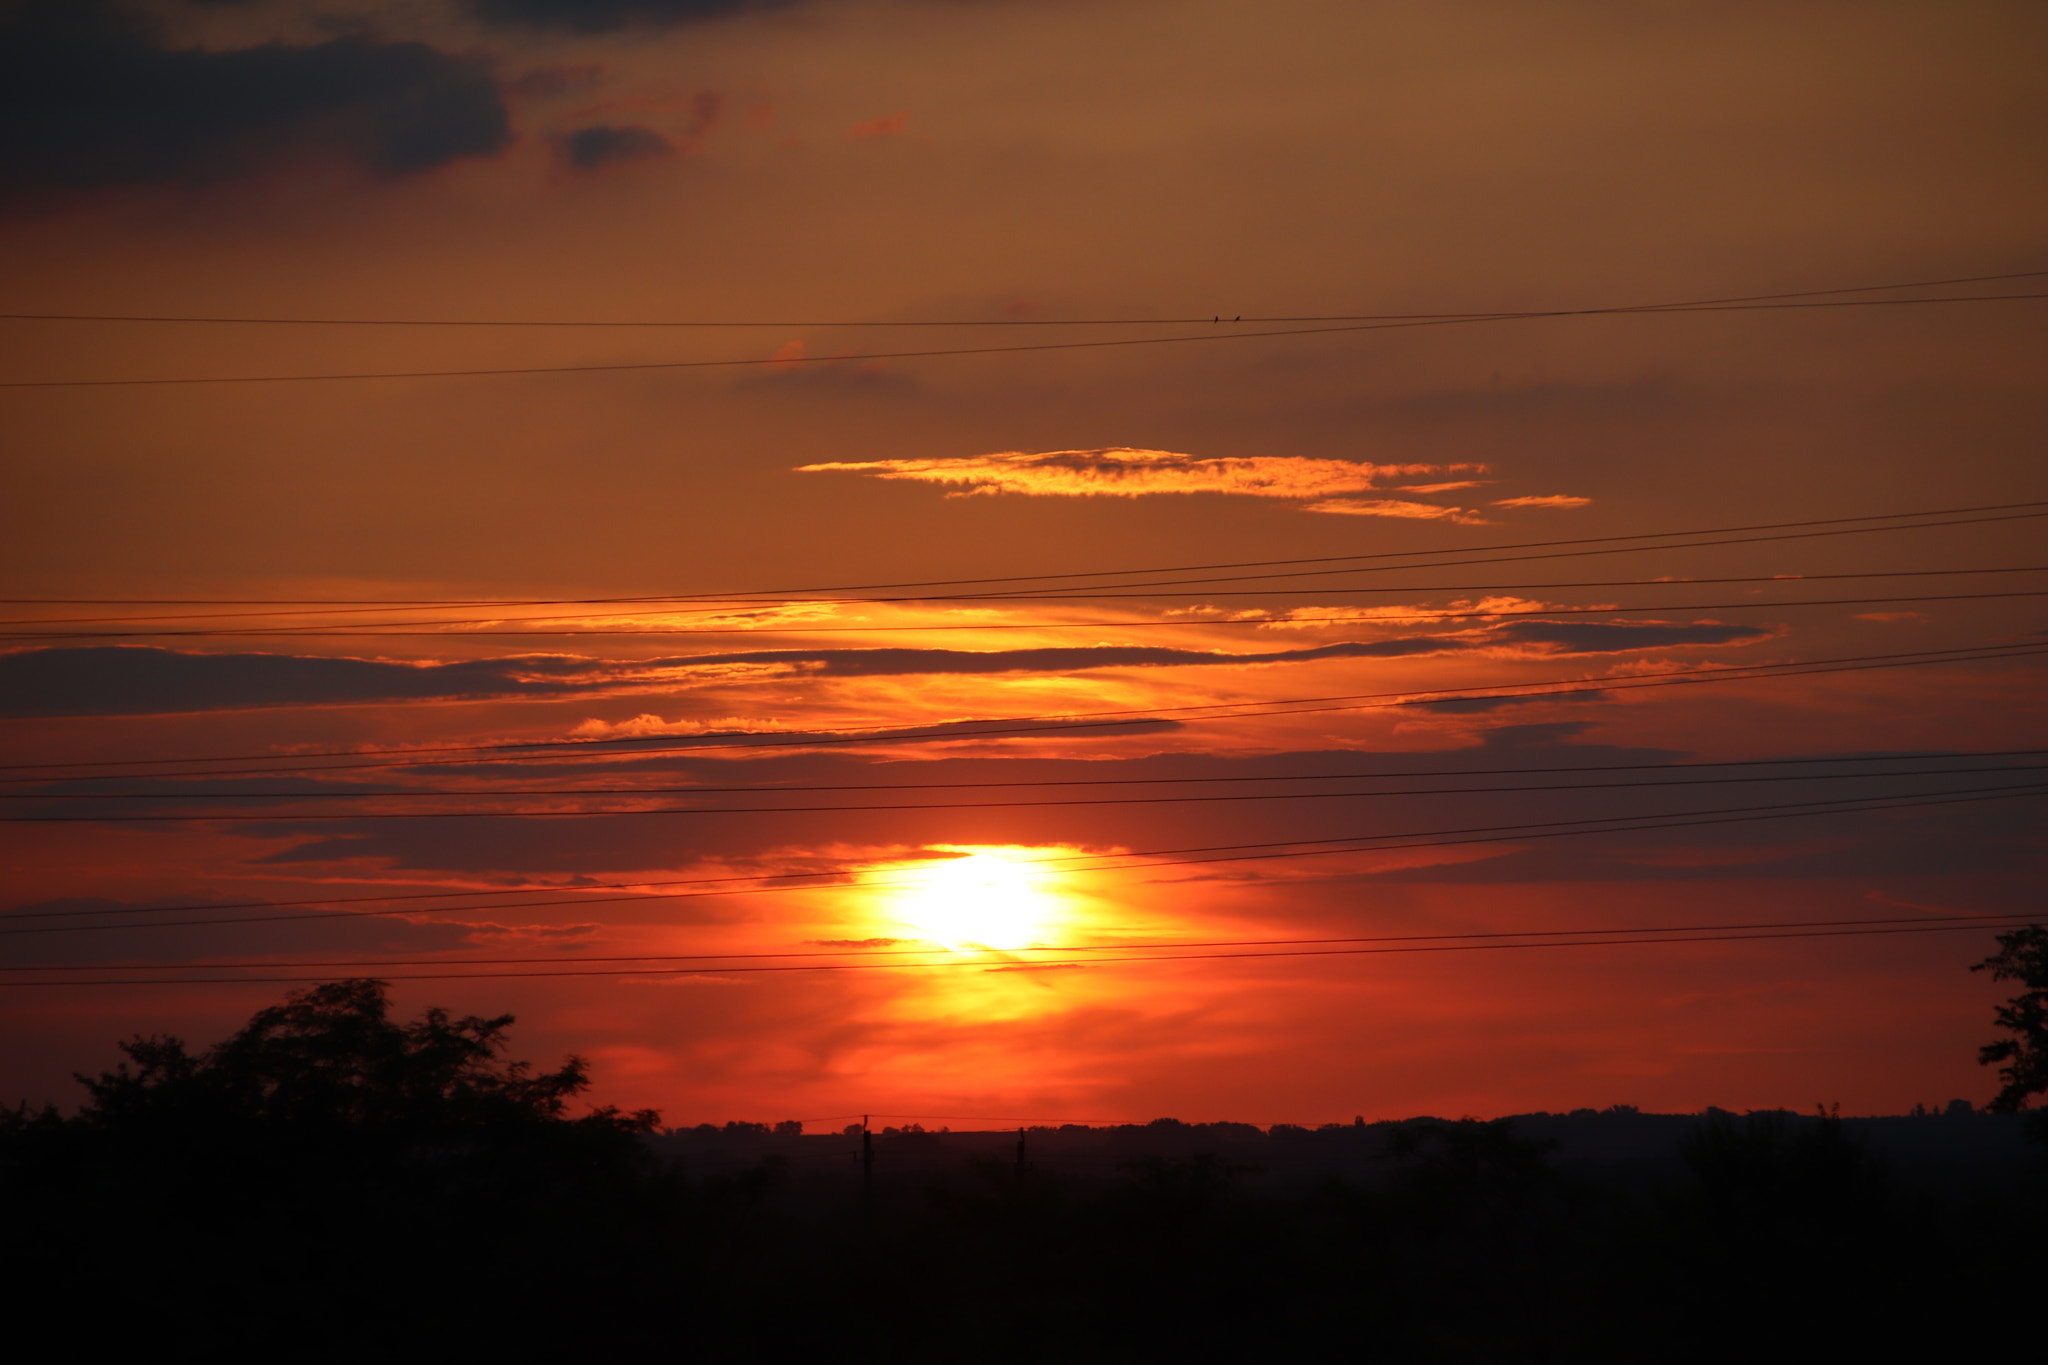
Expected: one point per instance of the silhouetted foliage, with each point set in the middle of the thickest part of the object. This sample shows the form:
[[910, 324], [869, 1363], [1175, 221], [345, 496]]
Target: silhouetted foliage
[[331, 1182], [333, 1057], [1774, 1173], [307, 1160], [2022, 956]]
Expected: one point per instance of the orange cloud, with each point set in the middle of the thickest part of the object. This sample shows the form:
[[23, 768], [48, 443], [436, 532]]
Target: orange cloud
[[1396, 507], [1324, 617], [1123, 472], [1545, 500]]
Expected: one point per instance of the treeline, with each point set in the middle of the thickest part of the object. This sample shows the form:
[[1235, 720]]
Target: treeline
[[330, 1183]]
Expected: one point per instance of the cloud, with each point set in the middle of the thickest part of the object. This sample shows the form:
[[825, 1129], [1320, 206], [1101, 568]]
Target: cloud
[[598, 16], [120, 680], [590, 149], [1466, 706], [1124, 472], [1395, 507], [1393, 613], [1545, 500], [144, 680], [81, 929], [1535, 637], [90, 99], [1964, 838], [1440, 487], [798, 372], [548, 82], [1617, 637]]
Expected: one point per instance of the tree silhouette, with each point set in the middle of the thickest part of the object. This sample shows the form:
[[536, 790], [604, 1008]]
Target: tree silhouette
[[2022, 956], [298, 1172], [333, 1057]]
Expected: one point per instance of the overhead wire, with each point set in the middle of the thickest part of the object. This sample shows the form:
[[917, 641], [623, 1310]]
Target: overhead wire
[[582, 899], [375, 630], [1638, 310], [1234, 853], [271, 817], [732, 595], [960, 731], [941, 322], [1639, 822], [1031, 966], [1051, 595], [770, 789], [1979, 919]]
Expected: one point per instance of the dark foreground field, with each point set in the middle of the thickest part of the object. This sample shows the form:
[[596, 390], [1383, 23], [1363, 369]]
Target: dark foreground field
[[332, 1185], [1636, 1235]]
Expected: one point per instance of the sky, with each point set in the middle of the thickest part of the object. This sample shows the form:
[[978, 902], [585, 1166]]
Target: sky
[[1020, 560]]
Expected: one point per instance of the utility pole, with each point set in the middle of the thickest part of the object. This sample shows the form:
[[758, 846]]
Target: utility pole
[[867, 1163], [1020, 1154]]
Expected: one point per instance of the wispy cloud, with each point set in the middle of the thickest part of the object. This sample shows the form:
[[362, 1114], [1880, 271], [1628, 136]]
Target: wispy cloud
[[1396, 507], [135, 680], [1545, 500], [1123, 472]]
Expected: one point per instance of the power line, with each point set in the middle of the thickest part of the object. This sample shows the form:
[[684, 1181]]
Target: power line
[[954, 322], [373, 630], [1980, 919], [1232, 853], [1032, 966], [1026, 725], [779, 593], [769, 789], [1052, 595], [971, 1118], [1058, 595], [271, 817], [1639, 310], [1063, 782]]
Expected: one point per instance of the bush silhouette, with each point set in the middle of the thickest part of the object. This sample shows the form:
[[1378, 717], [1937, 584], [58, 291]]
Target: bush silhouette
[[2022, 956], [325, 1164]]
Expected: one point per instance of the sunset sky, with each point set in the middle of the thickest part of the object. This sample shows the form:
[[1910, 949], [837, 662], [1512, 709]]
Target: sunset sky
[[1077, 486]]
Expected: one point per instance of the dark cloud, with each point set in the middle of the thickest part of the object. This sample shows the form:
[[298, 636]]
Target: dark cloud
[[1936, 840], [830, 379], [90, 98], [1540, 736], [547, 82], [137, 680], [590, 149], [1470, 706], [597, 16], [1549, 636], [1614, 637], [605, 846], [125, 680], [77, 929]]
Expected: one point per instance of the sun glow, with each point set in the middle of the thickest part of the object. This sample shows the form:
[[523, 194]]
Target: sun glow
[[979, 902]]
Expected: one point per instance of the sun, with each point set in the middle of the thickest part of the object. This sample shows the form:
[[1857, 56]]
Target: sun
[[981, 901]]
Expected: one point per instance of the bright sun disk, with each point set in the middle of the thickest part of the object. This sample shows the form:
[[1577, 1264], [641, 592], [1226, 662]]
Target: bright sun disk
[[977, 902]]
